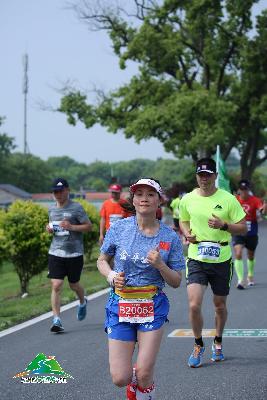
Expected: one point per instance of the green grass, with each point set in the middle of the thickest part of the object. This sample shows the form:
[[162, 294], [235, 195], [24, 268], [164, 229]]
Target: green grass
[[14, 309]]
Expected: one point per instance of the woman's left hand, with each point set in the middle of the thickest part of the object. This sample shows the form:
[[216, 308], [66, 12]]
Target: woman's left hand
[[154, 258]]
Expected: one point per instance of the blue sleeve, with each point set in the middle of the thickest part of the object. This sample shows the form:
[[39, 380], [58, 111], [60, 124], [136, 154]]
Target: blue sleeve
[[176, 259], [109, 244]]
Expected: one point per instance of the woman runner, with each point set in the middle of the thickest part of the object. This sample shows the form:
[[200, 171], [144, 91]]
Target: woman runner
[[147, 253]]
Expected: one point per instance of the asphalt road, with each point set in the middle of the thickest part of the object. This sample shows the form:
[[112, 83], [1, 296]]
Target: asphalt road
[[82, 351]]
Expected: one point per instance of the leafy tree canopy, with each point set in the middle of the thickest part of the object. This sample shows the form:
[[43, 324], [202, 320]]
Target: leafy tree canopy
[[28, 172], [6, 142], [201, 78], [6, 146]]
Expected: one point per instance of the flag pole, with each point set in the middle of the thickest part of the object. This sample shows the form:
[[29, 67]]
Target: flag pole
[[217, 164]]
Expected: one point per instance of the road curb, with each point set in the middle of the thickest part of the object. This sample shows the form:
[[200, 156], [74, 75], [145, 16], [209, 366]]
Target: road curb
[[49, 314]]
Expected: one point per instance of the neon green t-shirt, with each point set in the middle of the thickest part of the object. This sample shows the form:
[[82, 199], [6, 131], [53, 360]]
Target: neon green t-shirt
[[197, 209], [175, 207]]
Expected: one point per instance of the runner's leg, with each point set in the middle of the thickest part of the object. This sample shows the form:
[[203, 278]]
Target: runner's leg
[[79, 290], [239, 267], [251, 265], [195, 293], [56, 285], [220, 313], [148, 347], [120, 361]]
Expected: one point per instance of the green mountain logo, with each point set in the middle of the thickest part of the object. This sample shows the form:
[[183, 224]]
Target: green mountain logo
[[43, 365]]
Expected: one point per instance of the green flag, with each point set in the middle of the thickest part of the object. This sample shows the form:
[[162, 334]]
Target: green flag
[[222, 181]]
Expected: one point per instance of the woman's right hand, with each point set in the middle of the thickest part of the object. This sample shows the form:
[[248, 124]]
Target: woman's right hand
[[119, 280]]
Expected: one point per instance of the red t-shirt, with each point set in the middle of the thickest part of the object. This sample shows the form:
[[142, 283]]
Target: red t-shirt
[[250, 206], [111, 211]]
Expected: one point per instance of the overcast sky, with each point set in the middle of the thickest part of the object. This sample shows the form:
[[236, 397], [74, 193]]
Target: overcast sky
[[60, 48]]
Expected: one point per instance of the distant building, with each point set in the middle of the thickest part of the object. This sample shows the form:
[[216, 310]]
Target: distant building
[[11, 193]]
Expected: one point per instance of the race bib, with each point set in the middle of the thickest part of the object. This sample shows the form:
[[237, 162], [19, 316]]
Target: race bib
[[58, 230], [208, 251], [114, 217], [136, 311]]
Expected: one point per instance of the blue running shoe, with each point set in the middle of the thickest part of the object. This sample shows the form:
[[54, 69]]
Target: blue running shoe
[[194, 360], [217, 354], [56, 326], [81, 313]]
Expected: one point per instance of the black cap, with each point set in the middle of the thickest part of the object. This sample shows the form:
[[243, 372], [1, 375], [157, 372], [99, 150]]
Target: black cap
[[59, 184], [206, 165], [244, 184]]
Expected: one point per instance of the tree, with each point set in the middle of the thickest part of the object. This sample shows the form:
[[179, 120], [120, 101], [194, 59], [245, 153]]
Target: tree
[[251, 95], [26, 240], [171, 171], [197, 68], [6, 146], [128, 172], [29, 173], [60, 164]]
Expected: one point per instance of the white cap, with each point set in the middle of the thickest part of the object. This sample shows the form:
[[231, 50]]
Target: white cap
[[147, 182]]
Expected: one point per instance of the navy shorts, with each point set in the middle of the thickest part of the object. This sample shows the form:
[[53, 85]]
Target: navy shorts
[[59, 267], [218, 275], [250, 242], [127, 331]]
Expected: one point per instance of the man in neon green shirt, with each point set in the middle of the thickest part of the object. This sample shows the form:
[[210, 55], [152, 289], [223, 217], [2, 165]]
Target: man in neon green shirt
[[208, 218]]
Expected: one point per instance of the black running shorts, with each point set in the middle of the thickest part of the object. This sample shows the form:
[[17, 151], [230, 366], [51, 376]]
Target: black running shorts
[[59, 267], [250, 242], [176, 223], [218, 275]]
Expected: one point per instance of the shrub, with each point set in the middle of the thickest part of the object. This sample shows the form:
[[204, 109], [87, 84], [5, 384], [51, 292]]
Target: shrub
[[26, 240], [3, 242], [90, 238]]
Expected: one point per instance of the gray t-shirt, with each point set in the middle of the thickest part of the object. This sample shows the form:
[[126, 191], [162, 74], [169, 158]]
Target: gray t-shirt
[[67, 243]]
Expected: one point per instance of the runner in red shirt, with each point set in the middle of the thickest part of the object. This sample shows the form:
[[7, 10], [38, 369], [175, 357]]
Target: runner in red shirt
[[111, 210], [251, 205]]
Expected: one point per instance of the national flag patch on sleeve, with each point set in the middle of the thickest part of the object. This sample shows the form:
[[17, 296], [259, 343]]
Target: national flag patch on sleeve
[[164, 245]]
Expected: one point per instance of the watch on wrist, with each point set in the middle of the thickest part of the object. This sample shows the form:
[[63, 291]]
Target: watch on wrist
[[224, 227]]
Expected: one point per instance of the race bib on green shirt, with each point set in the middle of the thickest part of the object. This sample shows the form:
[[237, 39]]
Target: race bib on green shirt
[[208, 251]]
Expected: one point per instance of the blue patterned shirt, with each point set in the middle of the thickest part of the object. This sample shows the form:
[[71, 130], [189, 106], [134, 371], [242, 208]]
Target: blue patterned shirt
[[130, 246]]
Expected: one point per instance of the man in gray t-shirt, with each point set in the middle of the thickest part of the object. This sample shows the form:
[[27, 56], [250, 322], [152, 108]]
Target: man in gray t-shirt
[[67, 222]]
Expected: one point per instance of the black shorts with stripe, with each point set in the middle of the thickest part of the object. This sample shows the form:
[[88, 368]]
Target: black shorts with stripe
[[218, 275]]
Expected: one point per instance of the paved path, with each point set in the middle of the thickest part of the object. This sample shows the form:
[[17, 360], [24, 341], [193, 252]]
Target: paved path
[[82, 352]]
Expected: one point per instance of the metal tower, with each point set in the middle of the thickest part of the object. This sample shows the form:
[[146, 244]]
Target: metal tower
[[25, 92]]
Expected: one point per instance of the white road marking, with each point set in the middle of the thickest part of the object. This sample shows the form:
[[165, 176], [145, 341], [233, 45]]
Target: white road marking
[[178, 333]]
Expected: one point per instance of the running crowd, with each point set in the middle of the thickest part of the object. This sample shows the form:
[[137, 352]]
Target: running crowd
[[139, 254]]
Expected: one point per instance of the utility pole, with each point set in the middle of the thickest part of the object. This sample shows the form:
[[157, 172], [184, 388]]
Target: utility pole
[[25, 92]]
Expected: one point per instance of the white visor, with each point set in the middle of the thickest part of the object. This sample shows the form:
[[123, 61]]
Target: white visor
[[147, 182]]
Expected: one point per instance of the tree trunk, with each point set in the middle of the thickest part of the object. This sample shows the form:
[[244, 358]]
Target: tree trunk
[[24, 282], [249, 156]]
